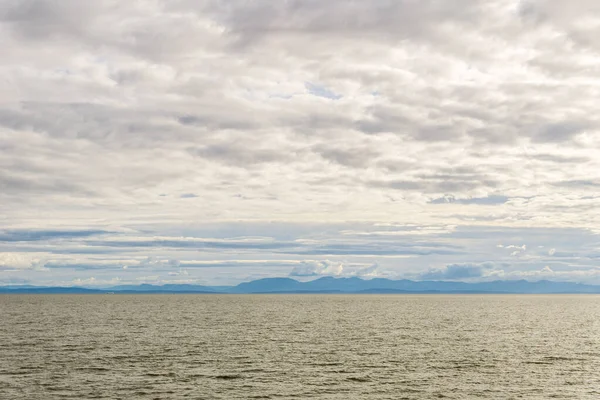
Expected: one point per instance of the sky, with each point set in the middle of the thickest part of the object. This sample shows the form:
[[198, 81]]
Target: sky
[[220, 141]]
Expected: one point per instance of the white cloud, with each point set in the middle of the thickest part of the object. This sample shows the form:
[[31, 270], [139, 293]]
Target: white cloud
[[573, 274], [15, 260], [318, 268], [21, 261], [464, 271], [154, 262]]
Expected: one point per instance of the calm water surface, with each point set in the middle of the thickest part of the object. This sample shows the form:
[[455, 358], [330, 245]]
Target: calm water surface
[[299, 346]]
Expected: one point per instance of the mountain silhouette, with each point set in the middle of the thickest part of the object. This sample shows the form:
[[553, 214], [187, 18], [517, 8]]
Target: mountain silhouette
[[331, 285]]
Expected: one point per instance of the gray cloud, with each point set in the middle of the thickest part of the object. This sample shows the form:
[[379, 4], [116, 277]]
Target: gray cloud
[[285, 118], [489, 200], [561, 131], [26, 235], [437, 184], [557, 158], [579, 183], [238, 155], [350, 157]]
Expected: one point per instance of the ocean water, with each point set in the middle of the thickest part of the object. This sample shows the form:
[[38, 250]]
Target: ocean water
[[299, 346]]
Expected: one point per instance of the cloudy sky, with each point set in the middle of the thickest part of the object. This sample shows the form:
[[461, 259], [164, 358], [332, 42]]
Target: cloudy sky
[[218, 141]]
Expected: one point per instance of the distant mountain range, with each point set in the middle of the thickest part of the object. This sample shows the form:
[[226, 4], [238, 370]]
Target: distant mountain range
[[328, 285]]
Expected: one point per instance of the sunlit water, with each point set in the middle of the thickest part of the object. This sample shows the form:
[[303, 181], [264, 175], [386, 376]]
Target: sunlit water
[[299, 346]]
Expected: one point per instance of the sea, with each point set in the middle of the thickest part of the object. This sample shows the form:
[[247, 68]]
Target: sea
[[299, 346]]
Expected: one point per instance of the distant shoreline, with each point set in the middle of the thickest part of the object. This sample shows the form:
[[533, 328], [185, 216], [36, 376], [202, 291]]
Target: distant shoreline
[[92, 292], [326, 285]]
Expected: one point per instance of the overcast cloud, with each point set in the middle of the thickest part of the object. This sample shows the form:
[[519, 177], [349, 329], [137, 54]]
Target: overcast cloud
[[221, 141]]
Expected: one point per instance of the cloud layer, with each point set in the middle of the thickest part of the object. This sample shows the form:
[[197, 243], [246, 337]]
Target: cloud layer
[[164, 126]]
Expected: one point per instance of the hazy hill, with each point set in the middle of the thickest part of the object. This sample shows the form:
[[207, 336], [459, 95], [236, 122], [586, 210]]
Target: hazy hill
[[331, 285]]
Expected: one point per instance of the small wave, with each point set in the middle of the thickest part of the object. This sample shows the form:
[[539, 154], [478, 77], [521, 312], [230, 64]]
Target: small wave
[[156, 374], [559, 358], [228, 377], [325, 364], [94, 369], [358, 379]]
